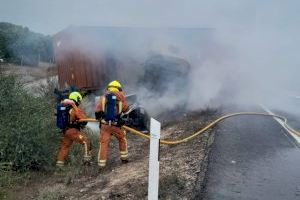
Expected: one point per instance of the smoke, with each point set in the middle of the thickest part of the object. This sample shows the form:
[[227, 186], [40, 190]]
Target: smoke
[[247, 65], [163, 56], [258, 62], [250, 58]]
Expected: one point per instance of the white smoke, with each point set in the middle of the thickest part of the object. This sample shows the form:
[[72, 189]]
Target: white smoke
[[254, 58]]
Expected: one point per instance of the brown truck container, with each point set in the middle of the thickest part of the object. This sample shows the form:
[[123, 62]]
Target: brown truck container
[[75, 68], [89, 57]]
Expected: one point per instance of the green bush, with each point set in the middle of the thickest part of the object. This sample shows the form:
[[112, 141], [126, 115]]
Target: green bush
[[28, 135]]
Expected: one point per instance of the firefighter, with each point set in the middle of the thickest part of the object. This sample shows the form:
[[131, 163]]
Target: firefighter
[[108, 111], [71, 132]]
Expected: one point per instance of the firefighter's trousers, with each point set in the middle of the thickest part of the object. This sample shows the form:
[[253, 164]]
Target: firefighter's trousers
[[105, 135], [73, 135]]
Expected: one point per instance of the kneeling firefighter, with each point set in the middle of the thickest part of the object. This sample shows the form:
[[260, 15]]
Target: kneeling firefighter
[[108, 112], [68, 115]]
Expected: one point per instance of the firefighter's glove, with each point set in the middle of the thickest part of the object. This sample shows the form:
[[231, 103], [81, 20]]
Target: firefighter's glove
[[120, 123], [82, 124], [79, 125], [99, 115]]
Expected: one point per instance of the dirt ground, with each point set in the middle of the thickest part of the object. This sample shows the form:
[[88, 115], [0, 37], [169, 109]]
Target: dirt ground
[[182, 168]]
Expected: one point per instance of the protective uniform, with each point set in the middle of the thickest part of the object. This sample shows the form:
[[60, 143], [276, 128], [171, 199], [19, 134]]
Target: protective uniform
[[72, 132], [106, 129]]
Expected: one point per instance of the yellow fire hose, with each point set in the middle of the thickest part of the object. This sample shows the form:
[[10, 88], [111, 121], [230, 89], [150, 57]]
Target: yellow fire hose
[[284, 120]]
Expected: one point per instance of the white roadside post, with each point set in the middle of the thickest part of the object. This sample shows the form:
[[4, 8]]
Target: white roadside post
[[153, 179]]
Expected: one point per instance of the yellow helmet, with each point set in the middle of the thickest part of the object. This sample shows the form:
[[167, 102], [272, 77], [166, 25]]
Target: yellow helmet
[[75, 96], [114, 86]]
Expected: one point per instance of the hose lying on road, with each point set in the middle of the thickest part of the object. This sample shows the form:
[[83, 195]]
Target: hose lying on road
[[212, 124]]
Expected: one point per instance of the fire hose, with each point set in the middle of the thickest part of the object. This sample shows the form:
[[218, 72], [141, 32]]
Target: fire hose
[[210, 125]]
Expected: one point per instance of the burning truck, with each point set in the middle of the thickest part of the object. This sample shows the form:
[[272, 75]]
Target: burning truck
[[88, 58]]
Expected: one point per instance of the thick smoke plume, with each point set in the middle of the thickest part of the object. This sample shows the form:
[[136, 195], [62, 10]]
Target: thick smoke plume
[[253, 56], [250, 69], [124, 53]]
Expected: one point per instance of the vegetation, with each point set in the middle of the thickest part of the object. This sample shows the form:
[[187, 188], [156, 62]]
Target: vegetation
[[21, 46], [27, 128], [29, 138]]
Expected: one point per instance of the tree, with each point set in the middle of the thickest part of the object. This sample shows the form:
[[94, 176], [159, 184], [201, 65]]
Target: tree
[[18, 44]]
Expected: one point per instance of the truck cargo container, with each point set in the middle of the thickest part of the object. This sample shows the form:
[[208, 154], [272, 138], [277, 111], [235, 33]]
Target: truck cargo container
[[89, 57]]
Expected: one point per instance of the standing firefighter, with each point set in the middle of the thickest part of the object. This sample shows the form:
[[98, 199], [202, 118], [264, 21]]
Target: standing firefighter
[[108, 111], [68, 116]]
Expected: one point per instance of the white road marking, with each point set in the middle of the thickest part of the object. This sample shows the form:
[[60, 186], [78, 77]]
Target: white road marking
[[281, 123]]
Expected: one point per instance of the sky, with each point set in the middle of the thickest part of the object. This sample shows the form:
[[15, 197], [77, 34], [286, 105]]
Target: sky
[[260, 38], [49, 17]]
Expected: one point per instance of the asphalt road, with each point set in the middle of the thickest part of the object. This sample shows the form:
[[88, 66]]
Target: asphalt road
[[252, 158]]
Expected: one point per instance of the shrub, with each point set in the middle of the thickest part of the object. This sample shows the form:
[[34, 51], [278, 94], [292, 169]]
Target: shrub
[[28, 135]]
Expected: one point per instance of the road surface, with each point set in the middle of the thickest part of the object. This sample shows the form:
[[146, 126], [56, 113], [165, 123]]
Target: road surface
[[253, 158]]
